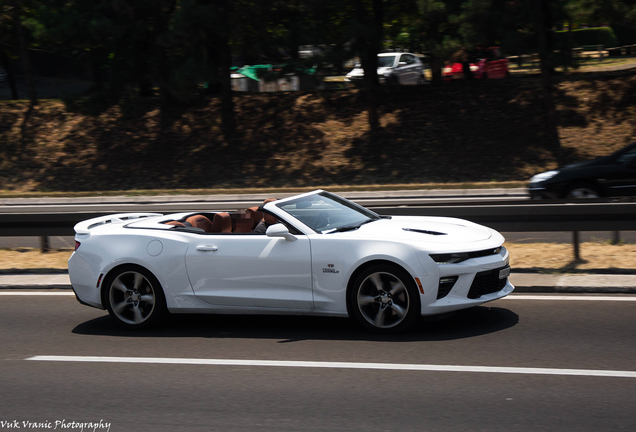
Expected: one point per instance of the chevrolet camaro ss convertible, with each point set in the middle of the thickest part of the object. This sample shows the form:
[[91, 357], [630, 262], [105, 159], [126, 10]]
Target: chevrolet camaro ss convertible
[[320, 254]]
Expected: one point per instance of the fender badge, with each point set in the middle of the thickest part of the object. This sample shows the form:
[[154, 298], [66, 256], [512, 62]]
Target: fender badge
[[330, 269]]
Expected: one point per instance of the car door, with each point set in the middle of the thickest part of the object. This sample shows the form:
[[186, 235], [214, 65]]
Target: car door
[[407, 69], [251, 270], [621, 181], [499, 65]]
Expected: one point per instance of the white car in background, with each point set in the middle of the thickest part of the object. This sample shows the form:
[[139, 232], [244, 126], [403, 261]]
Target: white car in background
[[393, 68], [321, 255]]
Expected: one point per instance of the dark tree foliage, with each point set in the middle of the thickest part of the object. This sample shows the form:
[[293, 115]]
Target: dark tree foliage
[[169, 48]]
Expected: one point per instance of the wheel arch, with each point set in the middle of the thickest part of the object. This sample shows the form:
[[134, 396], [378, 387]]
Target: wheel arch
[[361, 268], [113, 270], [578, 183]]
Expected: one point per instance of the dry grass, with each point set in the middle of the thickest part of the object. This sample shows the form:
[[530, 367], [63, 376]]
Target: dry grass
[[553, 257], [543, 257], [31, 259], [491, 131]]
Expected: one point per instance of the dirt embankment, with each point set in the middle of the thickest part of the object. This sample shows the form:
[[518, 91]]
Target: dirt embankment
[[460, 132]]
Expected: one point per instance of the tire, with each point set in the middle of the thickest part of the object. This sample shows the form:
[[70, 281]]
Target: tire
[[134, 297], [583, 191], [384, 299]]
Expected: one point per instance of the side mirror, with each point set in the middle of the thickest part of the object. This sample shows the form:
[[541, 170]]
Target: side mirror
[[280, 230], [401, 64]]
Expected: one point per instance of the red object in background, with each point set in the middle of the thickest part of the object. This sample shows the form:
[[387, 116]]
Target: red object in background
[[485, 63]]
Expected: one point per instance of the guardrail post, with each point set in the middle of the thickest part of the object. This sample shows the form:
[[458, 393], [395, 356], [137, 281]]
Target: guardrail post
[[45, 245], [577, 245], [616, 237]]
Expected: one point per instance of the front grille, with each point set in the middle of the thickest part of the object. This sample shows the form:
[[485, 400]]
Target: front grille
[[482, 253], [487, 282]]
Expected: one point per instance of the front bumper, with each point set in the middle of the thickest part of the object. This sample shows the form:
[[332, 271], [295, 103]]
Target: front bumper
[[538, 192]]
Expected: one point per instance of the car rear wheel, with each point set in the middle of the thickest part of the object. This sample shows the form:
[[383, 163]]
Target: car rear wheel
[[134, 297], [384, 299], [583, 191]]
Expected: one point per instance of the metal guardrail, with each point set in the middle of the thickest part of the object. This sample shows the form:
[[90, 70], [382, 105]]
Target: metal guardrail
[[524, 216], [528, 217]]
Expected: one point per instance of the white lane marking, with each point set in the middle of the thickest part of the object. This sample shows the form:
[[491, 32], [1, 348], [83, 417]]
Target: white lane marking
[[569, 297], [37, 293], [340, 365]]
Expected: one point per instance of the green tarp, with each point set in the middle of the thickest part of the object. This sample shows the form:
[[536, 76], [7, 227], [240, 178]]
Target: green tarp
[[255, 72]]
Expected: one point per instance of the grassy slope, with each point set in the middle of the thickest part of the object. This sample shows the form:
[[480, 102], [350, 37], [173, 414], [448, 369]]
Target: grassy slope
[[460, 132]]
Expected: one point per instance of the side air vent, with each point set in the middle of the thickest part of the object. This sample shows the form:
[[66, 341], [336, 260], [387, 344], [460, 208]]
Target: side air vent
[[424, 231], [445, 285]]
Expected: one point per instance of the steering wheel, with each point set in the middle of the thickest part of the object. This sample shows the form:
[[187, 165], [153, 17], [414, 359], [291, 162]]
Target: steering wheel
[[321, 221]]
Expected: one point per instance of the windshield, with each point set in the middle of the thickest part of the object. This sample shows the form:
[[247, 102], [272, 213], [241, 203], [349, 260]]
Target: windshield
[[386, 61], [325, 212], [628, 157]]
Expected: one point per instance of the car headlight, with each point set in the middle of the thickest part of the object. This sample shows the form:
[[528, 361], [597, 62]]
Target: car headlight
[[450, 258], [543, 176]]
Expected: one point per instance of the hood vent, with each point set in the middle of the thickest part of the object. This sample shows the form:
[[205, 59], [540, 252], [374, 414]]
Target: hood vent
[[424, 231]]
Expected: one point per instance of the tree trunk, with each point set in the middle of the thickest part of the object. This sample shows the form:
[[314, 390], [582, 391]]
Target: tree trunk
[[227, 102], [544, 27], [368, 41], [224, 53], [10, 76], [436, 69], [24, 54]]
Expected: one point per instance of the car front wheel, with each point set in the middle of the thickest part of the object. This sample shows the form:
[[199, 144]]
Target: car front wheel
[[134, 297], [384, 299], [583, 191]]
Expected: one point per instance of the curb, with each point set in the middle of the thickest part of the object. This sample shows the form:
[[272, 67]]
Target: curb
[[574, 283], [35, 281]]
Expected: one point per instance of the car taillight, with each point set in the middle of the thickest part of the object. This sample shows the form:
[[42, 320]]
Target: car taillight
[[77, 244]]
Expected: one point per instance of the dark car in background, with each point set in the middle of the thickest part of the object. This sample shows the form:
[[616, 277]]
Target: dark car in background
[[609, 176]]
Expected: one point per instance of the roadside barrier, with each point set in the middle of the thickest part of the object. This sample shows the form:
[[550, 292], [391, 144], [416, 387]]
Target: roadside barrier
[[523, 216]]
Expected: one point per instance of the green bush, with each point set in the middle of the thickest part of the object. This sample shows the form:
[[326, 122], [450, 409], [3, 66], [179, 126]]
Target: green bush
[[587, 37], [626, 34]]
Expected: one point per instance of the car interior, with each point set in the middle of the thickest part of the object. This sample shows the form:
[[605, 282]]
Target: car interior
[[241, 221]]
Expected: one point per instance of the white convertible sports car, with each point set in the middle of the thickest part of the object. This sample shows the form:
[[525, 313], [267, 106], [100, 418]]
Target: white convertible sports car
[[320, 255]]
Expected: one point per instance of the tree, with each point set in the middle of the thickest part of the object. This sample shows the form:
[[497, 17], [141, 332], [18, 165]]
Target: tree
[[439, 30], [546, 44], [24, 54], [367, 22], [7, 44]]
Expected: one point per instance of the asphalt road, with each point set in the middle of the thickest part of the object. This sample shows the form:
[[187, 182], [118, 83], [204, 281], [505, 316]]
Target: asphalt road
[[563, 335]]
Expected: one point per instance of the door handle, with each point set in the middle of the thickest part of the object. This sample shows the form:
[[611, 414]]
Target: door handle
[[206, 248]]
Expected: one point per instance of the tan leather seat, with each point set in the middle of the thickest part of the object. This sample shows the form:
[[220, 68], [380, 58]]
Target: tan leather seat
[[221, 223], [200, 221], [175, 223]]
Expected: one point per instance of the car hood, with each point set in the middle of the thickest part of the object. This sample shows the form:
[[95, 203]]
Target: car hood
[[606, 160], [360, 71], [438, 230]]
